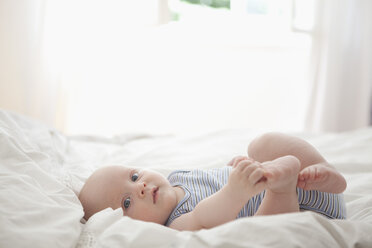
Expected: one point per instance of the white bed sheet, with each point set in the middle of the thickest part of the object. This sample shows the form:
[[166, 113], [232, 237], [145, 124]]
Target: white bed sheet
[[42, 172]]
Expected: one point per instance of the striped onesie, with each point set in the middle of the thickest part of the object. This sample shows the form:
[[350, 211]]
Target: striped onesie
[[199, 184]]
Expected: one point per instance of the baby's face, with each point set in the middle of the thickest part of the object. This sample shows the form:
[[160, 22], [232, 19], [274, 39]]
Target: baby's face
[[142, 194]]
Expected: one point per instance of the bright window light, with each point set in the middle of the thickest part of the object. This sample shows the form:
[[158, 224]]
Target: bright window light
[[208, 69]]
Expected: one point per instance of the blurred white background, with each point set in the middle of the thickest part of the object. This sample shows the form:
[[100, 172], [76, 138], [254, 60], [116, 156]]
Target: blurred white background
[[171, 66]]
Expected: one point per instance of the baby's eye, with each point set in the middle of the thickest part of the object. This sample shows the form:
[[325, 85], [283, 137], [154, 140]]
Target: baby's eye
[[134, 177], [126, 203]]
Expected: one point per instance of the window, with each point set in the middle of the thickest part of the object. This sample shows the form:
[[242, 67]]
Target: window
[[210, 68], [298, 13]]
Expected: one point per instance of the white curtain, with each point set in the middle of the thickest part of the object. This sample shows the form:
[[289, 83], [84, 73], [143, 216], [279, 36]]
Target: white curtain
[[42, 43], [341, 73], [24, 85]]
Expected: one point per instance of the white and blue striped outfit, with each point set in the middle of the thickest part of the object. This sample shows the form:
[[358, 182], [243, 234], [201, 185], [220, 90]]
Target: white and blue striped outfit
[[199, 184]]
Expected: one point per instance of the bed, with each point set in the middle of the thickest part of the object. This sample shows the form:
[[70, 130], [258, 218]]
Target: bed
[[42, 172]]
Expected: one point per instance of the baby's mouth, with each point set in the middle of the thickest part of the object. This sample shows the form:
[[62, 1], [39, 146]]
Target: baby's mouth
[[154, 194]]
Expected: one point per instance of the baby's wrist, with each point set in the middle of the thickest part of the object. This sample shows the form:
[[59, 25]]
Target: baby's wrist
[[234, 194]]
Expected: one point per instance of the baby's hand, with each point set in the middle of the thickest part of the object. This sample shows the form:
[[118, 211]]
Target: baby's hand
[[236, 159], [246, 178]]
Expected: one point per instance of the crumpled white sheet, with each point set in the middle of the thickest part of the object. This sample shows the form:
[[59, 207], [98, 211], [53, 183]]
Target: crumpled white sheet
[[307, 229], [36, 209], [42, 171]]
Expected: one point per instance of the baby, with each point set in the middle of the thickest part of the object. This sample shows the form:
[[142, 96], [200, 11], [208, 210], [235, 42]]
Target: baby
[[281, 174]]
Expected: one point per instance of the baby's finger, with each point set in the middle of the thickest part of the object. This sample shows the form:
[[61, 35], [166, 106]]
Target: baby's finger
[[243, 165], [232, 161], [260, 186], [238, 159], [256, 176], [268, 174], [249, 169], [252, 166]]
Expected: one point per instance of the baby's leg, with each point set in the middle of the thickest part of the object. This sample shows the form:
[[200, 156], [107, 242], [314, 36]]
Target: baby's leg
[[281, 179], [315, 172]]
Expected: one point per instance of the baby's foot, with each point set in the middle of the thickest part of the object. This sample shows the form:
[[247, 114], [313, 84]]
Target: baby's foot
[[282, 174], [321, 177]]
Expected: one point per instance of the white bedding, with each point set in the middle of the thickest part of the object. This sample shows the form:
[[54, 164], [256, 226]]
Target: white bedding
[[42, 171]]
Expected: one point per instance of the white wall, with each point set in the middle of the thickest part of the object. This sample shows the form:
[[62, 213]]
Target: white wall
[[177, 79]]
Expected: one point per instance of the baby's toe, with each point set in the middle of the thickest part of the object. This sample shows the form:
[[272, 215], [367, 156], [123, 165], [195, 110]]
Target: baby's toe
[[304, 174], [301, 183]]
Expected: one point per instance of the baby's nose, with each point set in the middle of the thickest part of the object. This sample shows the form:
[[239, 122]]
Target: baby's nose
[[141, 189]]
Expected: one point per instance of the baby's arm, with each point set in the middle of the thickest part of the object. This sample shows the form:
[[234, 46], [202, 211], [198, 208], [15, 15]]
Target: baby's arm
[[223, 206]]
